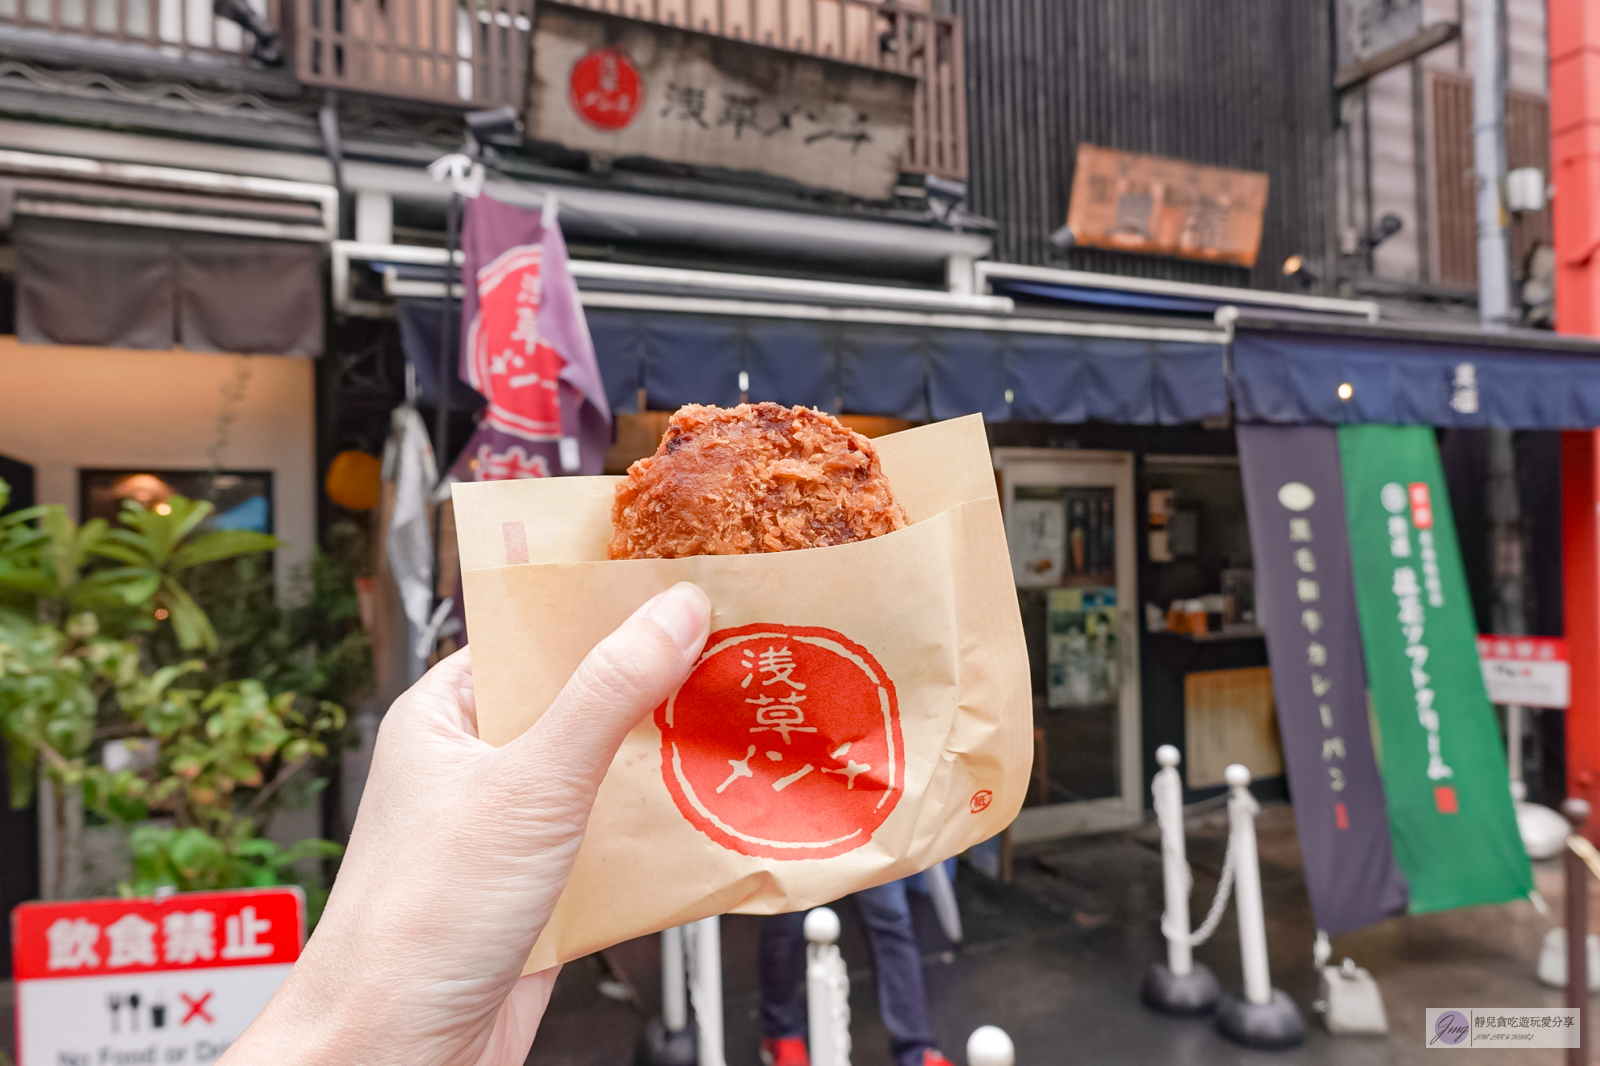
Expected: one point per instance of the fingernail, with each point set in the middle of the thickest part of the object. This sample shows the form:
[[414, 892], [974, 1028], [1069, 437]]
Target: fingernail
[[683, 611]]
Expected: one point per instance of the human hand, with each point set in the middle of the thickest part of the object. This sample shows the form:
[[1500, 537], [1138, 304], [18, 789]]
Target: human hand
[[457, 857]]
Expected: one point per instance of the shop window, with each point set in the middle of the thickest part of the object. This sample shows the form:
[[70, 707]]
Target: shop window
[[242, 498]]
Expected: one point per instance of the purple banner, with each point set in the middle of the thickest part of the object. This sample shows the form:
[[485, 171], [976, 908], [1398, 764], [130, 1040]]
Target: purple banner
[[527, 349], [1305, 600]]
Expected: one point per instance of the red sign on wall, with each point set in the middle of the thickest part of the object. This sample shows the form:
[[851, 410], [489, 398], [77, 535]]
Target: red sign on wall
[[175, 979], [605, 89], [784, 742]]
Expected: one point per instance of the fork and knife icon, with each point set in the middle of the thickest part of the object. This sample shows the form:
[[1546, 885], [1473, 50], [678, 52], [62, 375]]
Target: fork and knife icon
[[117, 1002]]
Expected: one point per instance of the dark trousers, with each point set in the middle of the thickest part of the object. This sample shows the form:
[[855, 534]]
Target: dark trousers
[[901, 1001]]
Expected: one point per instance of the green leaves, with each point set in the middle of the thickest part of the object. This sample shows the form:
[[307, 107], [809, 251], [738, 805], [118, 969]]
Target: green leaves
[[191, 860], [85, 660]]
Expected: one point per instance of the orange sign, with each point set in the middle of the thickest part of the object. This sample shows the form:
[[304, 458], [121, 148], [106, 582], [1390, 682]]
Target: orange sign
[[1130, 202]]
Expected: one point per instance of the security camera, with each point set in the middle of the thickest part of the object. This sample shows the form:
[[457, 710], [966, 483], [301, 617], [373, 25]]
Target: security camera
[[952, 192], [500, 124]]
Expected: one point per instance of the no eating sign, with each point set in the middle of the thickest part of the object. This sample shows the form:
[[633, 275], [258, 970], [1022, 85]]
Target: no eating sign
[[167, 981]]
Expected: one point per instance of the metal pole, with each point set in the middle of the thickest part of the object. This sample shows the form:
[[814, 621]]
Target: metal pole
[[1577, 813], [1242, 810], [448, 353], [1519, 789], [706, 988], [1488, 162], [1167, 795], [674, 989], [448, 317]]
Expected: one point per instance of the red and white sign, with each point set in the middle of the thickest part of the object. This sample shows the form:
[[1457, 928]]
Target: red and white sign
[[174, 980], [509, 365], [784, 742], [605, 89], [1421, 506], [1526, 671]]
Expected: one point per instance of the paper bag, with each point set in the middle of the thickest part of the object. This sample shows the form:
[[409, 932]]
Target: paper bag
[[860, 712]]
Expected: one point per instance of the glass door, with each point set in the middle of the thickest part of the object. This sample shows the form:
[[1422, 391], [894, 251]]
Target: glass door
[[1070, 526]]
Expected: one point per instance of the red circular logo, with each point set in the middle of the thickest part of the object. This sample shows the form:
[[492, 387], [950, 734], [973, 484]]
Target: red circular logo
[[784, 742], [981, 800], [605, 89]]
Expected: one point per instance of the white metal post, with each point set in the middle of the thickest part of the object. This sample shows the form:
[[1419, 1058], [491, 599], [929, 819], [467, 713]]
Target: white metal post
[[674, 990], [1242, 808], [703, 947], [1519, 789], [1167, 794], [827, 991], [1488, 164]]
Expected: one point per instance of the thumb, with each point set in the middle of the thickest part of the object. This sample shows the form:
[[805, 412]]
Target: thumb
[[563, 758]]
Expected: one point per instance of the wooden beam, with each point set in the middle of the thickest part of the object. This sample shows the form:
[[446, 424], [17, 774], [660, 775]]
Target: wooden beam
[[1427, 40]]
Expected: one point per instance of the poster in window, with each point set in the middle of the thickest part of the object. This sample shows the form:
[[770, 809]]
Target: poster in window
[[1038, 537], [1082, 648]]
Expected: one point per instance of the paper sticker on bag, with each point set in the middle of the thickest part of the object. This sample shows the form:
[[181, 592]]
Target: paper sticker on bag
[[783, 742]]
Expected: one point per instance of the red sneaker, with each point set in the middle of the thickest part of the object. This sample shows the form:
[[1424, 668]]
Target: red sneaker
[[786, 1051], [934, 1057]]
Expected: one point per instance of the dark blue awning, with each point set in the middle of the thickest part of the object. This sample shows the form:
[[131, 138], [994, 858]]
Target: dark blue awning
[[1296, 376], [912, 371], [1104, 297]]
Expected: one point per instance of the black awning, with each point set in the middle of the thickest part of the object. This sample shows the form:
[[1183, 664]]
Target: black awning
[[909, 371], [129, 288], [1346, 373]]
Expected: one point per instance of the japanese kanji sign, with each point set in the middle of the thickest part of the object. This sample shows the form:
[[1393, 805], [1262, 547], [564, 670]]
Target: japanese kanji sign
[[1132, 202], [1444, 770], [618, 87], [527, 350], [1306, 601], [169, 981], [1527, 671], [784, 742]]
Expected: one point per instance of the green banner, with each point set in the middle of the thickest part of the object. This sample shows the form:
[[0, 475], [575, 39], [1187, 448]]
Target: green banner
[[1444, 770]]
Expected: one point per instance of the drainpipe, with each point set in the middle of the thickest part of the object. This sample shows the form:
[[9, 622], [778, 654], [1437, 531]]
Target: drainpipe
[[1574, 51]]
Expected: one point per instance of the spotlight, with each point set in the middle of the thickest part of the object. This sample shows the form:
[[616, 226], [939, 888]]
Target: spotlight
[[1302, 270], [1346, 390]]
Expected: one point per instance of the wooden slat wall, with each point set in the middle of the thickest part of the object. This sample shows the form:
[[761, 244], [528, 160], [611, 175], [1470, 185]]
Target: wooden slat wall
[[187, 27], [1238, 83], [1527, 145], [474, 54], [1455, 221], [1455, 212]]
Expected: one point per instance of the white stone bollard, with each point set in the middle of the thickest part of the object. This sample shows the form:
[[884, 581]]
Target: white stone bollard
[[674, 989], [703, 947], [990, 1046], [1181, 986], [827, 990], [1264, 1017]]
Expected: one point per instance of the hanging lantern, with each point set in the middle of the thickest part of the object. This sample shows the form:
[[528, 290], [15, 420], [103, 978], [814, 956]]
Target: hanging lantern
[[355, 480]]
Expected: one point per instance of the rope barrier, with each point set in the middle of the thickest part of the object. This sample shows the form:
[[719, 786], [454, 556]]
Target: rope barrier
[[1219, 902]]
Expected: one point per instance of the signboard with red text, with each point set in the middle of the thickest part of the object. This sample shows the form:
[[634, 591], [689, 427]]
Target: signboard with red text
[[171, 981], [1526, 671]]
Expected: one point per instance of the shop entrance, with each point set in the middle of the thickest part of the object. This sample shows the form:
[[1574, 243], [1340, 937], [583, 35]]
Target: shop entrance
[[1070, 525]]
